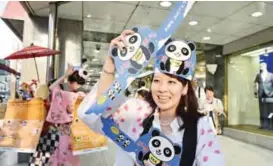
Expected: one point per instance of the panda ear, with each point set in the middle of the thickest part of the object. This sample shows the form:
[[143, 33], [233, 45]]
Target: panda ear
[[192, 46], [115, 52], [168, 41], [155, 133], [177, 149], [151, 47], [135, 29]]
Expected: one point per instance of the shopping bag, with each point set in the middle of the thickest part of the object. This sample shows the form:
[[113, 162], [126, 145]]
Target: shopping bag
[[84, 140], [22, 125]]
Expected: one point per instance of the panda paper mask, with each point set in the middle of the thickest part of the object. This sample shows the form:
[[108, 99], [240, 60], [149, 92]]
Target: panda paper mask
[[177, 57], [138, 52], [153, 147], [160, 149]]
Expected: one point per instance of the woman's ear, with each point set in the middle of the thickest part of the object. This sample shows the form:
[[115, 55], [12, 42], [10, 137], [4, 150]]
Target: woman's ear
[[185, 89]]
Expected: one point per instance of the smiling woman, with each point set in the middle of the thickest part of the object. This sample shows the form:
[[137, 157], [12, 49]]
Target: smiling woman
[[171, 107]]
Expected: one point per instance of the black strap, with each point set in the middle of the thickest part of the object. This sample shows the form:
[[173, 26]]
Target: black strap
[[189, 145], [199, 92], [189, 141]]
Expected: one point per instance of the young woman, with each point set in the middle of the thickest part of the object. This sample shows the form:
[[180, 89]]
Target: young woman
[[171, 107], [60, 114], [213, 108]]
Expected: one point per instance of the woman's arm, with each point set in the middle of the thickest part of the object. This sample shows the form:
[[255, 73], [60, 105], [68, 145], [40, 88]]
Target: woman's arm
[[57, 83], [208, 151], [108, 75]]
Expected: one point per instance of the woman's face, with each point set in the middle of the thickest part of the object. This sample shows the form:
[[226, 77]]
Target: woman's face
[[73, 86], [167, 91]]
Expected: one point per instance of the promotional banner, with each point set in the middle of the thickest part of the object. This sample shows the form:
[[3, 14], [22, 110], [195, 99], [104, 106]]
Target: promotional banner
[[22, 125], [84, 140]]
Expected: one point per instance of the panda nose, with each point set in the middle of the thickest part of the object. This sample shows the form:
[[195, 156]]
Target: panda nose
[[177, 54], [158, 152], [132, 48]]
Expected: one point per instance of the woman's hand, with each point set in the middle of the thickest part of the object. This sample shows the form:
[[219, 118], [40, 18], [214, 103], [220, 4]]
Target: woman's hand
[[69, 70], [119, 42], [108, 74]]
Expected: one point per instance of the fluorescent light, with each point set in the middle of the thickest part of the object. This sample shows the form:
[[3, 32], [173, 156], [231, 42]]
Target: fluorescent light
[[192, 23], [206, 38], [165, 3], [208, 30], [95, 60], [258, 52], [88, 15], [97, 51], [256, 14]]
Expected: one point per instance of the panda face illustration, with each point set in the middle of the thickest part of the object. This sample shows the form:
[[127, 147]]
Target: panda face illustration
[[134, 42], [120, 138], [178, 50], [126, 143], [111, 94], [117, 87], [23, 122], [161, 148]]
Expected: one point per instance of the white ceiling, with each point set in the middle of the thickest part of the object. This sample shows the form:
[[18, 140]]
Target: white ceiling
[[228, 21]]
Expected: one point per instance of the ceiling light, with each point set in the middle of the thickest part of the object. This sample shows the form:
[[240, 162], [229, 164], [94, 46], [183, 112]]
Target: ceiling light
[[97, 51], [256, 14], [206, 38], [165, 3], [192, 23], [88, 15], [208, 30]]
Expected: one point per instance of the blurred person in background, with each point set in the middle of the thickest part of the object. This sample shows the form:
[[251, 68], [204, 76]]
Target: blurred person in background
[[142, 93], [213, 108]]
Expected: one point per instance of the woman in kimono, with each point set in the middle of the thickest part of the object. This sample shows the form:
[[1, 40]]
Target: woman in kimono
[[171, 107]]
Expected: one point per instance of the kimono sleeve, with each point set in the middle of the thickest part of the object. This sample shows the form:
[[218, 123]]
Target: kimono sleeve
[[208, 150]]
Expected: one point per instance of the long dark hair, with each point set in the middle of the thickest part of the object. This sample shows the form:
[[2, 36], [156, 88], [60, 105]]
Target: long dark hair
[[75, 77], [187, 110]]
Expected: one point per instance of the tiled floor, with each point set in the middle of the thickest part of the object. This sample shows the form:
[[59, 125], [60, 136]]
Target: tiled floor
[[236, 154], [241, 154]]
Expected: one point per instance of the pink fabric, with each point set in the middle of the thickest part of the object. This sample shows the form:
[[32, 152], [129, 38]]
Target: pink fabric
[[130, 115], [63, 154], [61, 106]]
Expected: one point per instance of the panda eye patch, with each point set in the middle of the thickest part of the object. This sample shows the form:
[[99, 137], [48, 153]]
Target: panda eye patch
[[123, 52], [167, 152], [185, 51], [156, 143], [171, 48], [133, 39]]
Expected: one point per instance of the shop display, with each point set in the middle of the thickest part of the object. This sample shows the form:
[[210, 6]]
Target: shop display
[[22, 125], [264, 84]]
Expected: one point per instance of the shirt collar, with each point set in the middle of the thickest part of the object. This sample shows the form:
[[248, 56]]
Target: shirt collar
[[175, 125]]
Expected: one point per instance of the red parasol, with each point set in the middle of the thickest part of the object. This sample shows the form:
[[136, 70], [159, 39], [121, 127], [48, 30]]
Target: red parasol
[[32, 52]]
